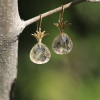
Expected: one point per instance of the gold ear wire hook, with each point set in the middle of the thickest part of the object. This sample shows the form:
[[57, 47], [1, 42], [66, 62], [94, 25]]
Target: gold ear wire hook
[[40, 21], [62, 12], [59, 17], [37, 25]]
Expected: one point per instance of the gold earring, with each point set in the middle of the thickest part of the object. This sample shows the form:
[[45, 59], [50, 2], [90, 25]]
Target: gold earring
[[62, 44], [40, 54]]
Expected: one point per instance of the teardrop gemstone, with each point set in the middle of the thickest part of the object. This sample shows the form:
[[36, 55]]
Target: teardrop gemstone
[[40, 54], [62, 44]]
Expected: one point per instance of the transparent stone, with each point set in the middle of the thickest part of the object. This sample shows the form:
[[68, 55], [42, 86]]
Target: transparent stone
[[62, 44], [40, 54]]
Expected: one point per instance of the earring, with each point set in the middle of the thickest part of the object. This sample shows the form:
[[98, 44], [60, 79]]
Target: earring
[[62, 44], [40, 54]]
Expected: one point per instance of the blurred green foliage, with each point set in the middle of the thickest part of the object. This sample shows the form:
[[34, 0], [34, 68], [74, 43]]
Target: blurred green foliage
[[75, 76]]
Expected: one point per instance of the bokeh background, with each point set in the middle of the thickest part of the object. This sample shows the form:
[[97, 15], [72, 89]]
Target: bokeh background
[[74, 76]]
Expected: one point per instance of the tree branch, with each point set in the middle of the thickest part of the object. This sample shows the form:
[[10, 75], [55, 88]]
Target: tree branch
[[30, 21]]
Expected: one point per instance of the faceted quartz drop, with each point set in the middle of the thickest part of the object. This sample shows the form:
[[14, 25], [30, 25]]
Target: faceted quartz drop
[[40, 54], [62, 44]]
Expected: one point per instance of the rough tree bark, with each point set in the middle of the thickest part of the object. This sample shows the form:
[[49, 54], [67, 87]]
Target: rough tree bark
[[10, 28]]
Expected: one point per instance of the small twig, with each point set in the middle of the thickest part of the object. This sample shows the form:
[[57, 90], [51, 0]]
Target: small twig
[[30, 21], [94, 1]]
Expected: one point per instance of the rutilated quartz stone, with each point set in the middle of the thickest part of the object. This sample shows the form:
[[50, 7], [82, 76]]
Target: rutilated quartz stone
[[62, 44], [40, 54]]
